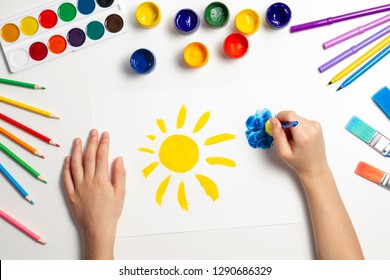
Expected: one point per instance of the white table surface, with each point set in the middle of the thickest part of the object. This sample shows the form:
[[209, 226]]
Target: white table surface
[[275, 55]]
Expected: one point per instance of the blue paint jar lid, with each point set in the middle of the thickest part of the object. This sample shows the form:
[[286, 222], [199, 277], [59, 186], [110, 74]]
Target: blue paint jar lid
[[142, 61], [186, 21], [278, 15]]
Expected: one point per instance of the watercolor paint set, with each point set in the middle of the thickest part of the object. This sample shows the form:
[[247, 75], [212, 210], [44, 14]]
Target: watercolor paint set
[[53, 30]]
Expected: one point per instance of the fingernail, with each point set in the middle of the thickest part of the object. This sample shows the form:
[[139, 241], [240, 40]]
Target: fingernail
[[105, 134], [273, 122], [120, 160], [77, 141], [67, 159], [93, 132]]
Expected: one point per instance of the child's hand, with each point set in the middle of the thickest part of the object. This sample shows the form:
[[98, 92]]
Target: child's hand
[[95, 200], [301, 147]]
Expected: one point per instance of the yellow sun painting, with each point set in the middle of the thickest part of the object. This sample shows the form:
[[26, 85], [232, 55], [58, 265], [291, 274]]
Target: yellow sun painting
[[179, 153]]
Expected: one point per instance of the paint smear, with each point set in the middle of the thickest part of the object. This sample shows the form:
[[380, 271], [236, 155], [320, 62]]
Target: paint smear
[[162, 189], [181, 197], [146, 150], [209, 186], [181, 117], [201, 122], [149, 169], [219, 138], [221, 161], [151, 137], [161, 125]]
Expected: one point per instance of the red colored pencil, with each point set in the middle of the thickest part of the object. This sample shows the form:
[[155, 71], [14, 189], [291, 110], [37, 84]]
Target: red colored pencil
[[28, 130]]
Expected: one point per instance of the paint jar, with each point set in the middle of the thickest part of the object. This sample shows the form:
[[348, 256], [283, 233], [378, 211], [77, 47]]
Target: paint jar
[[142, 61], [148, 15], [186, 21], [278, 15], [216, 15], [236, 45], [247, 21], [196, 55]]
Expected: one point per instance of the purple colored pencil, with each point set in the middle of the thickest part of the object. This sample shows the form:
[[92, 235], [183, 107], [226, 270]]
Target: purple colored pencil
[[330, 20], [354, 49], [356, 31]]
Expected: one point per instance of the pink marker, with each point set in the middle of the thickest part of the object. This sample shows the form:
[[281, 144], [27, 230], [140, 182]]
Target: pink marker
[[356, 31]]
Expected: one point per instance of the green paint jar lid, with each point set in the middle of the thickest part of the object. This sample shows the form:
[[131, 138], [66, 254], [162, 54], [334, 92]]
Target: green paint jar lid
[[216, 15]]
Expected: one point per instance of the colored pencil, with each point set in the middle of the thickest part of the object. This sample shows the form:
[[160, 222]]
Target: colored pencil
[[367, 55], [20, 84], [20, 142], [365, 68], [15, 184], [356, 31], [373, 174], [369, 135], [354, 49], [28, 130], [22, 163], [28, 107], [330, 20], [21, 227]]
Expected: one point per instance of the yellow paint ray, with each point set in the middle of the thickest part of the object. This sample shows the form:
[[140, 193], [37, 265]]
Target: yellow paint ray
[[201, 122], [181, 197], [146, 150], [149, 169], [151, 137], [221, 161], [161, 190], [219, 138], [161, 125], [208, 185], [181, 117]]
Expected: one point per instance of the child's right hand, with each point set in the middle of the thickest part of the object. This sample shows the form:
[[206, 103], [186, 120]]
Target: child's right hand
[[301, 147]]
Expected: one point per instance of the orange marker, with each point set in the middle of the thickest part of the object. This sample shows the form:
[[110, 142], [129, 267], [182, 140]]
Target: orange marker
[[20, 142]]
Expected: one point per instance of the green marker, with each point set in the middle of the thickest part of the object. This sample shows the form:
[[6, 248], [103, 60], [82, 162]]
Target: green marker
[[22, 163], [20, 84]]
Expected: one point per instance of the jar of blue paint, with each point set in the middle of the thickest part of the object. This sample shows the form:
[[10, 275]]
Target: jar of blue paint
[[143, 61], [186, 21], [278, 15]]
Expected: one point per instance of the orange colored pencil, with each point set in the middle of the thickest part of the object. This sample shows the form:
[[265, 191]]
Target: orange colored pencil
[[20, 142]]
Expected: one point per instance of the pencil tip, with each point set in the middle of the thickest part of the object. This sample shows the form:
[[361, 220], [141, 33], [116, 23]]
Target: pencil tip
[[43, 242], [329, 83], [339, 88]]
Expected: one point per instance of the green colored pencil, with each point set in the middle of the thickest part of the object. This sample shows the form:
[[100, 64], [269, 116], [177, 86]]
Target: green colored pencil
[[22, 163], [20, 84]]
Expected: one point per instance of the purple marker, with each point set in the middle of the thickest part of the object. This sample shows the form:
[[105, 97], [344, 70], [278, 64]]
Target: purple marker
[[354, 49], [330, 20], [356, 31]]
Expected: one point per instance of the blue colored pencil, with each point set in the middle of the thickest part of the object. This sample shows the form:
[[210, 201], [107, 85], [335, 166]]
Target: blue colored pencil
[[289, 124], [15, 184], [365, 67]]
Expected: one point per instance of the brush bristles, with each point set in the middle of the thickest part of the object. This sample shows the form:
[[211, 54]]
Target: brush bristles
[[369, 172], [360, 129]]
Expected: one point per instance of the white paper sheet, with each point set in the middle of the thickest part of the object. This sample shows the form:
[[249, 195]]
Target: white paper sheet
[[260, 190]]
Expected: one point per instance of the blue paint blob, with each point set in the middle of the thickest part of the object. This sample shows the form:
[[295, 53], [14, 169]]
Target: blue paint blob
[[256, 135], [142, 61], [86, 7], [186, 21], [278, 15]]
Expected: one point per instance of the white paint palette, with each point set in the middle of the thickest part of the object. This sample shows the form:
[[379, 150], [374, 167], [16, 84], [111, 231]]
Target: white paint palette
[[54, 30]]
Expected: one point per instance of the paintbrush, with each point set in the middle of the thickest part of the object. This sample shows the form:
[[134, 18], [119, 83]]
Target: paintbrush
[[369, 135], [373, 174]]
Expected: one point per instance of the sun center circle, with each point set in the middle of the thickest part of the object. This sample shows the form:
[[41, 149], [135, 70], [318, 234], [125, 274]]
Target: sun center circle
[[179, 153]]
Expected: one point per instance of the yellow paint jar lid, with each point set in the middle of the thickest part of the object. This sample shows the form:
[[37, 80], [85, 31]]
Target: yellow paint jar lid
[[196, 55], [148, 14], [247, 21]]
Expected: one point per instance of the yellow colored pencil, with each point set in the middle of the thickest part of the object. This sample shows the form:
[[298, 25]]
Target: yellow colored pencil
[[28, 107], [370, 53], [20, 142]]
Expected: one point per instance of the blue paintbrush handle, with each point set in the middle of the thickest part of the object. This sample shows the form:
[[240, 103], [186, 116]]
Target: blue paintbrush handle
[[289, 124]]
